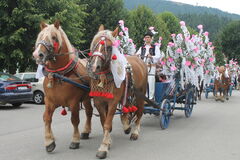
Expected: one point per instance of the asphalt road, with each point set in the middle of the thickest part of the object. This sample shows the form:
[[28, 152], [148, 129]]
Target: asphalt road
[[211, 133]]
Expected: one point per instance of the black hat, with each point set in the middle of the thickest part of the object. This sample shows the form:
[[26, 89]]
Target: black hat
[[148, 33]]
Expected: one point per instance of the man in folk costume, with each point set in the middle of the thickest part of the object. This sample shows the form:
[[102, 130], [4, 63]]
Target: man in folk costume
[[150, 54]]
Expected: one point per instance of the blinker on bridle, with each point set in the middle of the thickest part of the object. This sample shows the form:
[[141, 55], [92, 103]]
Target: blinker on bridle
[[49, 55], [100, 43]]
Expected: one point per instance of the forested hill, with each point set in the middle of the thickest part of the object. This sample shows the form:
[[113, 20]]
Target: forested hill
[[177, 8]]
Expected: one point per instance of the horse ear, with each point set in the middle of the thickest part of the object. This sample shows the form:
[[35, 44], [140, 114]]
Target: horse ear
[[57, 24], [115, 32], [43, 25], [101, 28]]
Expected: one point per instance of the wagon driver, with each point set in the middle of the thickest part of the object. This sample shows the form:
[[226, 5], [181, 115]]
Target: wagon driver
[[150, 54]]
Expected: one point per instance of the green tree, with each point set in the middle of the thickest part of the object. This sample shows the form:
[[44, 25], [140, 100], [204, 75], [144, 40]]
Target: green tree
[[230, 40], [106, 12], [163, 32], [171, 21], [220, 57], [211, 22], [140, 19], [19, 27]]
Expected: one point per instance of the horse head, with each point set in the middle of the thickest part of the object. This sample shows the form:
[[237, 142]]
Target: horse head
[[221, 69], [51, 43], [101, 49]]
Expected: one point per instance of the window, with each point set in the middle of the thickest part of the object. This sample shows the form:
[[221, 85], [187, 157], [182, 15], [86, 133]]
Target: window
[[30, 78]]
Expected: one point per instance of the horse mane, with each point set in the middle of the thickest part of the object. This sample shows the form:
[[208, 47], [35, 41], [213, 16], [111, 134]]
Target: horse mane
[[106, 33], [46, 32]]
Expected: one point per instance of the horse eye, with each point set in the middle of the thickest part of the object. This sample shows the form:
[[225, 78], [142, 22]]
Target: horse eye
[[54, 38]]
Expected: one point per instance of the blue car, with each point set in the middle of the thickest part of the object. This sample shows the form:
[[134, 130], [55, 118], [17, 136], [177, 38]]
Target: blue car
[[13, 90]]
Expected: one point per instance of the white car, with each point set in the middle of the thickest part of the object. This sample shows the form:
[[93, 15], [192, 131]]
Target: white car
[[37, 85]]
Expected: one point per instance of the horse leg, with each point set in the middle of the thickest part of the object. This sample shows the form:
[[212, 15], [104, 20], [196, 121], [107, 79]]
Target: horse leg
[[223, 95], [227, 91], [126, 123], [200, 91], [88, 111], [104, 147], [216, 93], [200, 95], [102, 112], [75, 122], [139, 113], [47, 118]]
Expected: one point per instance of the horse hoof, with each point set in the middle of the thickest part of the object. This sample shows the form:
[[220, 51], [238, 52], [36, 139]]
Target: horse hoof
[[133, 137], [101, 154], [127, 131], [51, 147], [84, 135], [74, 145]]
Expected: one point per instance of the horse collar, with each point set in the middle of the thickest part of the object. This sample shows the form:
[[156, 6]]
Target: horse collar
[[64, 70]]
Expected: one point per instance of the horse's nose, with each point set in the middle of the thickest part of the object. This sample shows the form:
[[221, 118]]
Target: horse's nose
[[36, 53], [95, 67]]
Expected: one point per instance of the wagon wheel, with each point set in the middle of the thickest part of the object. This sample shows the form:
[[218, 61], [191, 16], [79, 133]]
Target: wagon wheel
[[189, 102], [165, 114]]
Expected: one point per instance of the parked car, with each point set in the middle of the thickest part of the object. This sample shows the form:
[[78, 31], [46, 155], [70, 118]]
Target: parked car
[[37, 85], [13, 90]]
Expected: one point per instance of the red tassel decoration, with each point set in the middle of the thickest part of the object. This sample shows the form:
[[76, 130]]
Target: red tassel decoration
[[134, 108], [102, 42], [110, 95], [64, 112], [90, 54], [55, 47], [130, 109], [100, 94], [114, 57], [125, 110]]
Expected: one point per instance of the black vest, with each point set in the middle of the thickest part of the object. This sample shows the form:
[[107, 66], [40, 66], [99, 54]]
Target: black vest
[[151, 51]]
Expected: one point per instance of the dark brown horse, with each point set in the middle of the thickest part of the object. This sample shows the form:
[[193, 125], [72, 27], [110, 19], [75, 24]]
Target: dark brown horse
[[53, 49], [222, 84], [105, 93]]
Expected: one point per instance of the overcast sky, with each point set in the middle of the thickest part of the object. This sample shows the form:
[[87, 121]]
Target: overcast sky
[[231, 6]]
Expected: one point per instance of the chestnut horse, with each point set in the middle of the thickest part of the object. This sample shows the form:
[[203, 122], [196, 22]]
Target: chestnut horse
[[55, 52], [222, 84], [102, 49]]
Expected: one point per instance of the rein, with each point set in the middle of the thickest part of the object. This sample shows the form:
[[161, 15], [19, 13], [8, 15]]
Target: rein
[[149, 62]]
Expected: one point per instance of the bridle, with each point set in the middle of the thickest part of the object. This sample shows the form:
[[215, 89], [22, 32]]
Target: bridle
[[52, 51], [49, 55], [105, 57]]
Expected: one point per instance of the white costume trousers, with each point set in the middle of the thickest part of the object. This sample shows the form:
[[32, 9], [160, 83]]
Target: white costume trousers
[[151, 82]]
